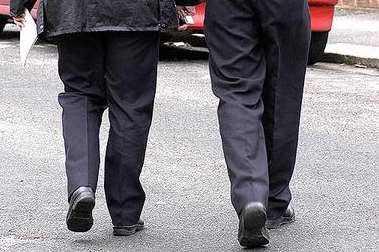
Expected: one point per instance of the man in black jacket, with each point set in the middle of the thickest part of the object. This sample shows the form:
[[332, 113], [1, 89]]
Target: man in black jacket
[[108, 56], [258, 73]]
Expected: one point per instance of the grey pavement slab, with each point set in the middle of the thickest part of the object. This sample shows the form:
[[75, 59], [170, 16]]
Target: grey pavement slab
[[335, 186], [354, 38], [357, 27]]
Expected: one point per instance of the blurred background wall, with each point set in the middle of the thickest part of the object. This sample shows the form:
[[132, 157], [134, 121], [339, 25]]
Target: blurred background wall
[[359, 3]]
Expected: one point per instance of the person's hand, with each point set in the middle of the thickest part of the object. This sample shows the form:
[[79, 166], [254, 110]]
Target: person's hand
[[183, 12], [19, 21]]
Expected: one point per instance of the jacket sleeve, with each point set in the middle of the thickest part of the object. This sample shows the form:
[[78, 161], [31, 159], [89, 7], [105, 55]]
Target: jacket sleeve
[[17, 7], [188, 2]]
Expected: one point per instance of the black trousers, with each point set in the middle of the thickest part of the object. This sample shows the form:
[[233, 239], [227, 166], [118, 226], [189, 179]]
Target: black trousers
[[118, 71], [258, 56]]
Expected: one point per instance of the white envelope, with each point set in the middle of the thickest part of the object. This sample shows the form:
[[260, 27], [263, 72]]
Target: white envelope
[[28, 36]]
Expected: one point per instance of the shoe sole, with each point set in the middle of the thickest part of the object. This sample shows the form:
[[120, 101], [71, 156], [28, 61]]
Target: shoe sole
[[126, 232], [79, 217], [253, 228], [283, 221]]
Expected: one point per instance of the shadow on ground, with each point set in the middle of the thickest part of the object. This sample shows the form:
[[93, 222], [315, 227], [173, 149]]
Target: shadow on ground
[[8, 35]]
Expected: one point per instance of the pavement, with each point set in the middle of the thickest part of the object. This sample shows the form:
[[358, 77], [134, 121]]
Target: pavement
[[354, 38], [335, 185]]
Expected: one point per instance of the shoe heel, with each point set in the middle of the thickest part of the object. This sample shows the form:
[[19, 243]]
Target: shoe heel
[[80, 218], [255, 219], [253, 228]]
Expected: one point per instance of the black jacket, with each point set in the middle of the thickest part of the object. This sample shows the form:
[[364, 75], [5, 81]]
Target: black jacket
[[58, 17]]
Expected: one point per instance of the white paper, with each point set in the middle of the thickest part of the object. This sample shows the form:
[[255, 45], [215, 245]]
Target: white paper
[[28, 36], [189, 20]]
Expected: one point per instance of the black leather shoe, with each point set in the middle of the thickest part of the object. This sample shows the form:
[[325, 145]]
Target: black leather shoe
[[128, 230], [287, 218], [252, 227], [79, 216]]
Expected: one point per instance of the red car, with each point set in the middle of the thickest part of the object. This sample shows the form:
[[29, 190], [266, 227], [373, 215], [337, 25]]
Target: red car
[[322, 12]]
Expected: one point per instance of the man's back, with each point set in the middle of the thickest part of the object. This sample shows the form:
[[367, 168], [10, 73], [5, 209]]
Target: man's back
[[107, 15]]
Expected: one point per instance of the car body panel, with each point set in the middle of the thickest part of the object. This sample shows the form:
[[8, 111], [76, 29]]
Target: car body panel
[[4, 8], [199, 17], [322, 13], [323, 2], [321, 18]]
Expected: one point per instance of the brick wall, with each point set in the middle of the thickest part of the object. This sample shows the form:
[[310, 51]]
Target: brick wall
[[359, 3]]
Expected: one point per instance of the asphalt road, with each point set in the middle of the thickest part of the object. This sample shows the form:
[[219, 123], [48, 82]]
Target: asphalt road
[[188, 208]]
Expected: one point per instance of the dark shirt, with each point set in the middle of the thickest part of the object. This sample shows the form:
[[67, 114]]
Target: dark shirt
[[58, 17]]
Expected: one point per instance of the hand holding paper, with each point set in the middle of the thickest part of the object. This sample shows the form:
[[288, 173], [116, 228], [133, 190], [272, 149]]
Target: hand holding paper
[[185, 15]]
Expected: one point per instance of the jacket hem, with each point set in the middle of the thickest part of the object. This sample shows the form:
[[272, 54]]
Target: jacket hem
[[52, 34]]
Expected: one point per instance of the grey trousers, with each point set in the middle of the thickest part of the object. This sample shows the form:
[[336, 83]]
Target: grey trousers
[[118, 71], [258, 55]]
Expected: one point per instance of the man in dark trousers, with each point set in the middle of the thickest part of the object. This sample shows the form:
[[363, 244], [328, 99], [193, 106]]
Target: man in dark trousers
[[108, 56], [258, 55]]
